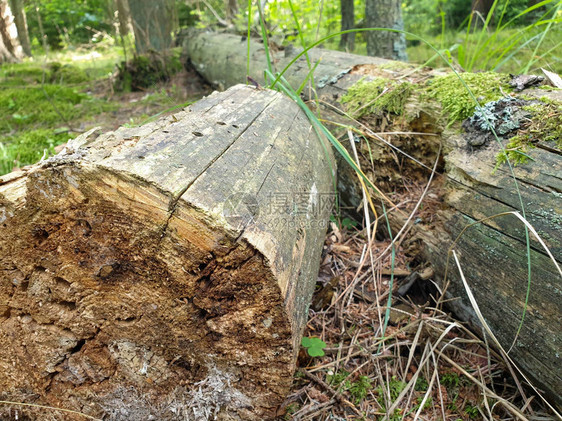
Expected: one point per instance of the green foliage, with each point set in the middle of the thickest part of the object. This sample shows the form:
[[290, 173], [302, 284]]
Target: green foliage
[[337, 379], [345, 223], [69, 21], [360, 388], [426, 16], [376, 96], [28, 147], [22, 74], [31, 113], [290, 410], [457, 102], [395, 387], [357, 389], [471, 411], [314, 346], [450, 380], [421, 384], [428, 403], [313, 19], [187, 15]]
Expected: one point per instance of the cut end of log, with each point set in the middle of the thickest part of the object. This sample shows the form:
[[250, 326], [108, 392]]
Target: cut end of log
[[127, 291], [112, 298]]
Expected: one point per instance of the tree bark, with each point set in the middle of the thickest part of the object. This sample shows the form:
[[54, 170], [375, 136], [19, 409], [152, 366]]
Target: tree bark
[[385, 44], [10, 48], [231, 9], [165, 271], [21, 25], [493, 254], [347, 41], [124, 14], [153, 24], [482, 7]]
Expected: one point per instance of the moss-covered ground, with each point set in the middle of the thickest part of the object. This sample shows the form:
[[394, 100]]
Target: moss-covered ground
[[44, 101]]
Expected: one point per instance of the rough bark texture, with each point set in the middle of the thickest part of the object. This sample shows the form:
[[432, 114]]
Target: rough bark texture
[[493, 254], [165, 271], [124, 14], [153, 24], [21, 25], [385, 44], [347, 41], [10, 48]]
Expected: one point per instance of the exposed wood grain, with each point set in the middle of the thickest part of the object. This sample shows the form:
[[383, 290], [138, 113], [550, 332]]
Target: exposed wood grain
[[130, 288]]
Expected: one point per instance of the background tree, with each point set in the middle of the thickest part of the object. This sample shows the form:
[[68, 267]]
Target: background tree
[[153, 23], [386, 44], [347, 41], [124, 15], [10, 48], [21, 25], [231, 9]]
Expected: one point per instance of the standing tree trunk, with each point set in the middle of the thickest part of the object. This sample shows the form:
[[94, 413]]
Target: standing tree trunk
[[385, 44], [21, 25], [125, 21], [347, 41], [482, 6], [10, 48], [231, 9], [152, 24]]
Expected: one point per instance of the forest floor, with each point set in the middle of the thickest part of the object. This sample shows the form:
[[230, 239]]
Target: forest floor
[[426, 365], [47, 100]]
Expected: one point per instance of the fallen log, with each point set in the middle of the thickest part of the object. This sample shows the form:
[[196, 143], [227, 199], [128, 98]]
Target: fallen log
[[165, 271], [466, 189]]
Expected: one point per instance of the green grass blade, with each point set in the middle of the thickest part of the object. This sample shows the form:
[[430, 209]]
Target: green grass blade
[[248, 39], [531, 62]]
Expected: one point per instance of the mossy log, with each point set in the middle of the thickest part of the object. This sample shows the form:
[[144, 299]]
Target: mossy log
[[165, 271], [466, 189]]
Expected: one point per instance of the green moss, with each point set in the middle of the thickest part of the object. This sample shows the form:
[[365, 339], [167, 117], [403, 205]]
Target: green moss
[[545, 124], [376, 96], [67, 74], [38, 106], [22, 74], [455, 99], [396, 65], [145, 71], [28, 147], [360, 388], [357, 389]]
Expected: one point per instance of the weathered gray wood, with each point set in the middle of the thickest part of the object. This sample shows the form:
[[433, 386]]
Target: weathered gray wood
[[493, 254], [165, 270]]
